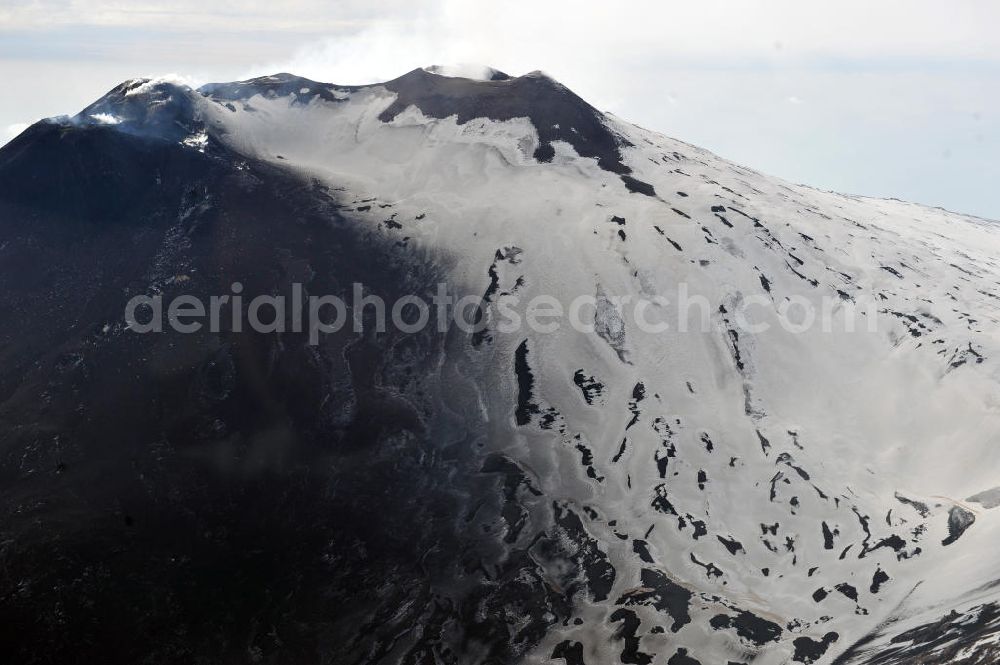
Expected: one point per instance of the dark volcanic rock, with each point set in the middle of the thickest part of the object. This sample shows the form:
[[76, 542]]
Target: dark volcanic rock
[[239, 496], [556, 112], [663, 594], [749, 626], [808, 650], [959, 519]]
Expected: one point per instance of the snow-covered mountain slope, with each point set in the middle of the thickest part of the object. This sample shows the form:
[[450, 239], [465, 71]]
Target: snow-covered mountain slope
[[702, 495]]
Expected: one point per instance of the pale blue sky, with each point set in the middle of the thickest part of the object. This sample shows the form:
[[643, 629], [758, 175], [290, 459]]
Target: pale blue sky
[[895, 98]]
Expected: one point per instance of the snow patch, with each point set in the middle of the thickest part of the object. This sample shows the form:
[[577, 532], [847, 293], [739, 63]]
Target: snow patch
[[198, 141]]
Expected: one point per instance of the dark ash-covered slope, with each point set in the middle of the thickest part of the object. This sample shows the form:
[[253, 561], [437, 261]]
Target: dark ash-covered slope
[[234, 497]]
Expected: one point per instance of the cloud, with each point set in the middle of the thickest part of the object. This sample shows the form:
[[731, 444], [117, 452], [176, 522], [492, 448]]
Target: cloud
[[482, 31], [13, 130], [586, 45], [303, 16]]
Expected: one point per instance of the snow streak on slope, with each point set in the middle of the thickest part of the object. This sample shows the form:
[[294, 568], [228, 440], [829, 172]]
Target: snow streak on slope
[[719, 495]]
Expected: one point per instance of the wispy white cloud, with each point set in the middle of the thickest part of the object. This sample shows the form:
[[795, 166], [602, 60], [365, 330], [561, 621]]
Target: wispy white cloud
[[227, 15], [588, 44], [14, 129], [477, 30], [858, 28]]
